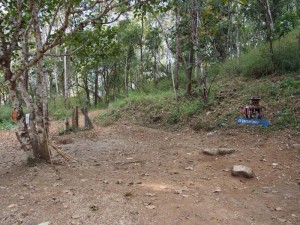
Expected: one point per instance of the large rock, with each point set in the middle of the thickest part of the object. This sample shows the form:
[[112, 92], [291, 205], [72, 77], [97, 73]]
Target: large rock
[[211, 151], [244, 171], [218, 151]]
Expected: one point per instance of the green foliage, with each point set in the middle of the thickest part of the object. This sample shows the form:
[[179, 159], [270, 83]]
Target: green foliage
[[287, 119], [109, 117], [257, 61], [173, 118], [59, 110], [6, 122]]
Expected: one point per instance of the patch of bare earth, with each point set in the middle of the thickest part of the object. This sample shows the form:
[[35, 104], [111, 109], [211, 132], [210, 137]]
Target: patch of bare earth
[[126, 174]]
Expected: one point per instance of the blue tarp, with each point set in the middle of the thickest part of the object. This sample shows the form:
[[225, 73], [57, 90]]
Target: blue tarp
[[258, 122]]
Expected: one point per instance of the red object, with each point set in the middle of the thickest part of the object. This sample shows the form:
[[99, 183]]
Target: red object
[[14, 115]]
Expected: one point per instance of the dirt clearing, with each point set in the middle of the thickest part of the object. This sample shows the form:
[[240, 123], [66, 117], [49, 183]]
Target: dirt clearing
[[127, 174]]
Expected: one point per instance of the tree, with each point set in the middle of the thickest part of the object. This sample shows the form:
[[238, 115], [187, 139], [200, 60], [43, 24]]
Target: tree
[[17, 22]]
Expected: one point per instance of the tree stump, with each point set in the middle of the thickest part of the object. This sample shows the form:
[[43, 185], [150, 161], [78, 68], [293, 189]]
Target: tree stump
[[87, 122], [75, 118]]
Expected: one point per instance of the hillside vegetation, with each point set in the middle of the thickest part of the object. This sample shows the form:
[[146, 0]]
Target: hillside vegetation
[[231, 85]]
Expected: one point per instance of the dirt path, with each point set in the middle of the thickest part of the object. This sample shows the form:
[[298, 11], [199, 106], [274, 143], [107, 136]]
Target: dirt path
[[132, 175]]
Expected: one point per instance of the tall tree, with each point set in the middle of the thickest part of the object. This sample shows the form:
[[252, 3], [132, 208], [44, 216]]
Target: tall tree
[[18, 18]]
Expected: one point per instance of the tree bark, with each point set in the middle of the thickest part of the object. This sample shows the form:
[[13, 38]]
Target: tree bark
[[189, 72], [270, 24], [198, 60], [176, 69], [41, 92], [96, 87], [65, 79], [126, 73], [229, 35]]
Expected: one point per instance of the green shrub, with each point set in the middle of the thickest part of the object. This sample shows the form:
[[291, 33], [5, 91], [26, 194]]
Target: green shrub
[[257, 61], [173, 118], [287, 119], [6, 122]]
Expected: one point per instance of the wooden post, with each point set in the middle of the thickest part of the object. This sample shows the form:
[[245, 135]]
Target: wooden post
[[75, 118], [87, 122]]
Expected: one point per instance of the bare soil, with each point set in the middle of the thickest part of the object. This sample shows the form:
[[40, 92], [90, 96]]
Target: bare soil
[[130, 175]]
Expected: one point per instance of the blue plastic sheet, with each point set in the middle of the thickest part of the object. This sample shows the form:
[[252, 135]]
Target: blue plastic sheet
[[257, 122]]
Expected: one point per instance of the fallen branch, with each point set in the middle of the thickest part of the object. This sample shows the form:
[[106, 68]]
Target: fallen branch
[[66, 156]]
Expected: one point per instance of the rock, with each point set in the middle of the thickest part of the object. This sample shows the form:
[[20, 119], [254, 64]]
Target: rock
[[278, 209], [119, 181], [225, 151], [211, 151], [244, 171], [217, 190], [150, 206], [150, 194], [12, 206], [178, 192], [218, 151], [75, 217], [45, 223], [189, 168]]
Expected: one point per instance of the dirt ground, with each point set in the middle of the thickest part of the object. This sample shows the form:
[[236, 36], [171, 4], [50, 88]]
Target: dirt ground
[[131, 175]]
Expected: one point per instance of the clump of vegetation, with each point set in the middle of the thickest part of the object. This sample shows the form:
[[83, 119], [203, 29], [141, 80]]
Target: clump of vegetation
[[6, 122], [256, 62], [279, 95]]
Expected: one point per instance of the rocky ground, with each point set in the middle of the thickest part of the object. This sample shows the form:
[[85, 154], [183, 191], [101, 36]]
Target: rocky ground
[[127, 174]]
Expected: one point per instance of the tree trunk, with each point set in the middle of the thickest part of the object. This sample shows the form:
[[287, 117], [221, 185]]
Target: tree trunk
[[198, 61], [237, 41], [25, 58], [142, 55], [155, 69], [176, 70], [189, 72], [65, 79], [203, 83], [87, 122], [270, 25], [96, 87], [41, 92], [86, 89], [126, 74], [229, 35]]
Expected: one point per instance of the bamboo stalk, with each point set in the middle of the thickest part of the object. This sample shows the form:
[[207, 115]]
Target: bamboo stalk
[[66, 156]]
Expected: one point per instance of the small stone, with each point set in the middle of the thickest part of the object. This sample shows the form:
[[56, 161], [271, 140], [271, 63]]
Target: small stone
[[105, 181], [75, 217], [217, 190], [178, 192], [45, 223], [150, 206], [119, 181], [189, 168], [240, 170], [278, 209], [12, 206], [130, 183], [150, 194]]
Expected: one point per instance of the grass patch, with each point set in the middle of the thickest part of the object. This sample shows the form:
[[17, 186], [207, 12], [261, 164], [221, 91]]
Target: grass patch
[[6, 123]]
